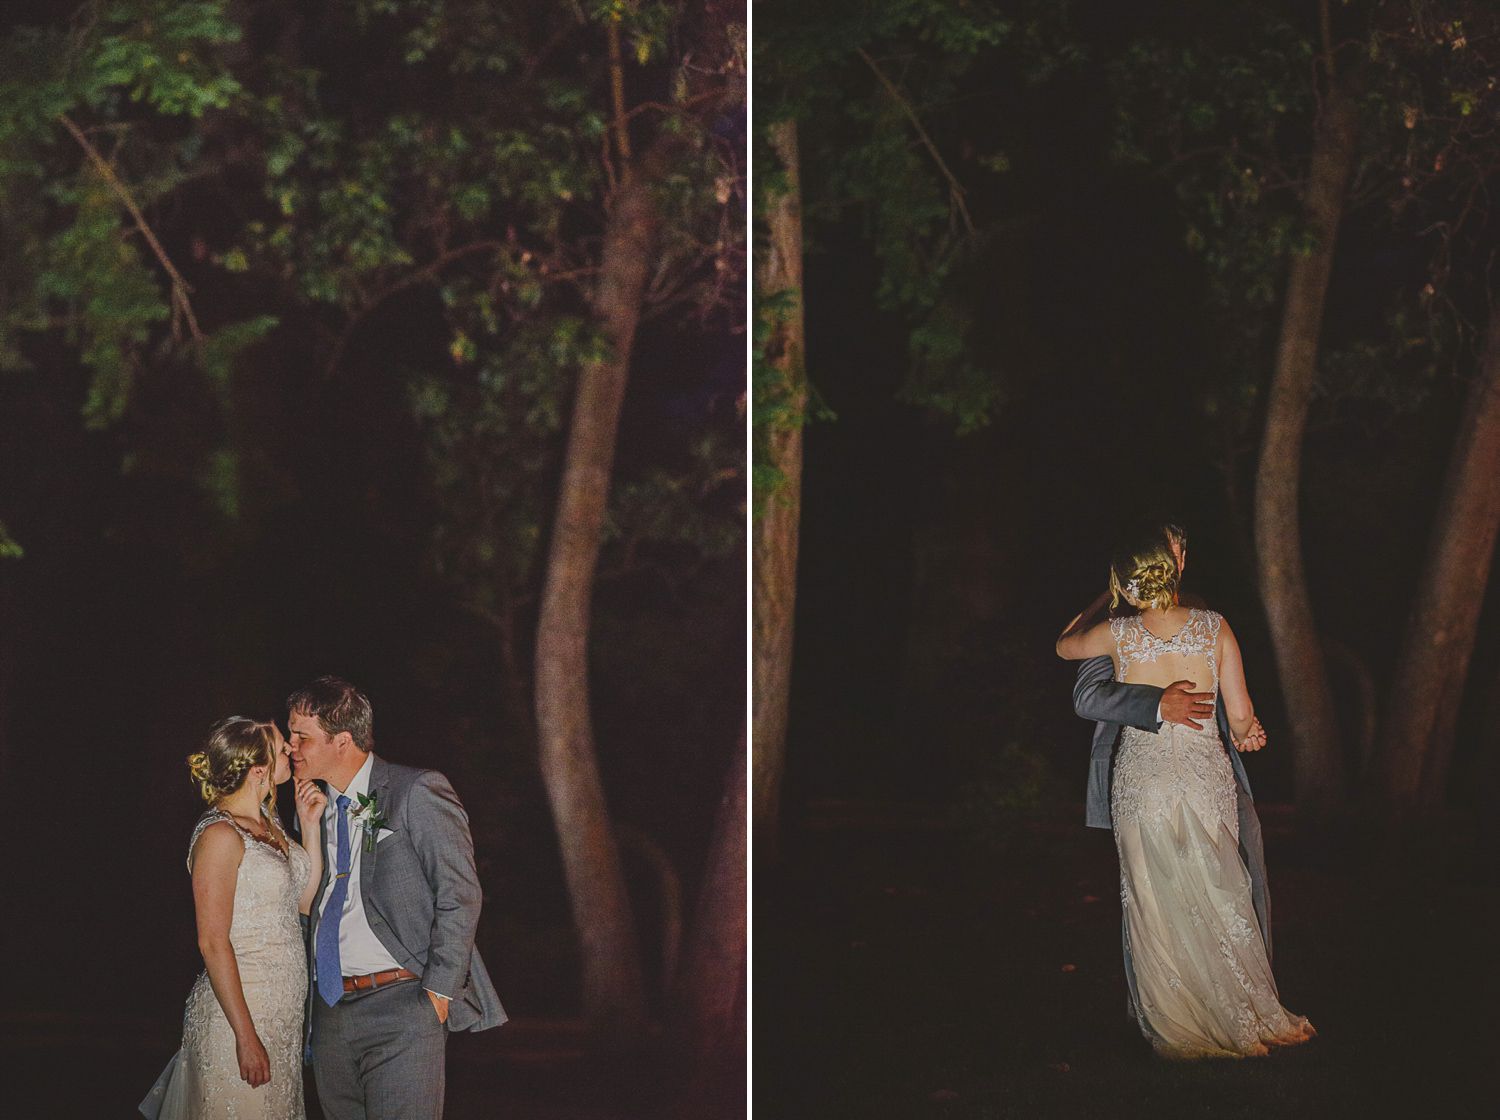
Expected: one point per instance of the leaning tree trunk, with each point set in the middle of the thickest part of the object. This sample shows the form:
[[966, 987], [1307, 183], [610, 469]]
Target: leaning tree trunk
[[709, 995], [1417, 740], [774, 549], [1316, 769], [613, 988]]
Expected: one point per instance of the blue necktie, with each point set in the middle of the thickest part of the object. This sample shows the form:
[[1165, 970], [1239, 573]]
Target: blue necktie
[[330, 972]]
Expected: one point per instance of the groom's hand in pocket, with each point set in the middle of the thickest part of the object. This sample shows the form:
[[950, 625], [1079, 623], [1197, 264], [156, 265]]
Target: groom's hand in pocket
[[440, 1005]]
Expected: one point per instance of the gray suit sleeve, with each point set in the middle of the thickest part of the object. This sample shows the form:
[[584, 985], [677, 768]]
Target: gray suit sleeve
[[445, 850], [1099, 697]]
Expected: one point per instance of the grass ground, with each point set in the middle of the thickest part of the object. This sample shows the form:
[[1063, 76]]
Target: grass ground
[[903, 971], [97, 1067], [99, 949]]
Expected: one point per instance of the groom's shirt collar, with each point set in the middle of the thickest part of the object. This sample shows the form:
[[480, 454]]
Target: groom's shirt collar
[[358, 784]]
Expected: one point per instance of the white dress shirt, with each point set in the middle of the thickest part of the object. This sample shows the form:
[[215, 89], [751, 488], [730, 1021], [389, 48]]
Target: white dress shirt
[[360, 951]]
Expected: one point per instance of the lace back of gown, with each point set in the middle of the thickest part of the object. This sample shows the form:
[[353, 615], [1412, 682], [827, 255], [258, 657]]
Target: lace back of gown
[[203, 1079], [1203, 985]]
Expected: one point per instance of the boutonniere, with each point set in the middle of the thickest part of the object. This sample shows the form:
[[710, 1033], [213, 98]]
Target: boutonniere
[[367, 815]]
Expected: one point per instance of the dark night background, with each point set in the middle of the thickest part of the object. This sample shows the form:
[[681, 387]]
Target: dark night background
[[913, 957], [1099, 323], [939, 934], [141, 614], [136, 620]]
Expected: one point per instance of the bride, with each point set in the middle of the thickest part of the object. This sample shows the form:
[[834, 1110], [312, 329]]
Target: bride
[[242, 1030], [1203, 982]]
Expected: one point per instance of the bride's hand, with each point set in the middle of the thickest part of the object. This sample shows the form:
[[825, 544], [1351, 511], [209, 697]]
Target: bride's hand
[[255, 1067], [310, 802], [1254, 739]]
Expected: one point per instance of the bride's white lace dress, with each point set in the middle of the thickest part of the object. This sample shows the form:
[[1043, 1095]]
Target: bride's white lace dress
[[203, 1079], [1203, 984]]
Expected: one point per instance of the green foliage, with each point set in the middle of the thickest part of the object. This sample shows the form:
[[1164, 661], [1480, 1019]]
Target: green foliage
[[216, 352], [944, 375], [1399, 370], [1222, 111], [1225, 109], [880, 93], [778, 402], [465, 159], [128, 76], [158, 52], [682, 506], [489, 195], [492, 452]]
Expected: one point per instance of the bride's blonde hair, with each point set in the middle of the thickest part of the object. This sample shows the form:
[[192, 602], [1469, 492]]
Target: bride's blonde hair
[[1145, 573], [234, 746]]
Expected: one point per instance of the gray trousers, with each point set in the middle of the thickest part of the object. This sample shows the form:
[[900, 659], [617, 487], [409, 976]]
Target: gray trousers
[[379, 1055]]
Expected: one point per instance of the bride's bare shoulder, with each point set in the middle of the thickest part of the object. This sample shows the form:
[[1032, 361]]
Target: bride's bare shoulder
[[218, 839], [1222, 631]]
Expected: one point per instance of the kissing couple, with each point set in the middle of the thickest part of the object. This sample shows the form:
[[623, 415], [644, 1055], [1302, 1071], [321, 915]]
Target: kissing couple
[[354, 947]]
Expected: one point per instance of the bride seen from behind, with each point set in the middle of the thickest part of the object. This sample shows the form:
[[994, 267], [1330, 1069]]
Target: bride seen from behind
[[1203, 980], [242, 1028]]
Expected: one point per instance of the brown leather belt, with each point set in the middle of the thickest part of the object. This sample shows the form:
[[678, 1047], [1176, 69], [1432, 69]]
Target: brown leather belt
[[376, 979]]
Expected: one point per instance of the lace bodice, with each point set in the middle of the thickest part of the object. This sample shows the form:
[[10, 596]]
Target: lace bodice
[[272, 963], [1199, 637], [266, 891]]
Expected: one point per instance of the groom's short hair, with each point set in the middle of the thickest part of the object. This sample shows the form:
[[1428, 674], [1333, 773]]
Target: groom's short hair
[[337, 706]]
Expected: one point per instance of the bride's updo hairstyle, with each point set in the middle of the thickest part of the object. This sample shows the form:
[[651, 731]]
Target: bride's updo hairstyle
[[234, 746], [1145, 574]]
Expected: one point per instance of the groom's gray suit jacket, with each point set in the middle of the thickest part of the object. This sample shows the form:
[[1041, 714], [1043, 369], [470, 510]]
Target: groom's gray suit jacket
[[1112, 705], [421, 891]]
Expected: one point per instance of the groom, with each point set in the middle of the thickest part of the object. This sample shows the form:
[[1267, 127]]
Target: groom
[[393, 966], [1112, 705]]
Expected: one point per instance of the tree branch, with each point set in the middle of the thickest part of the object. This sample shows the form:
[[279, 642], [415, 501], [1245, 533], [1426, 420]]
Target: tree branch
[[955, 188], [675, 107], [1325, 28], [368, 304], [431, 269], [617, 92], [180, 288]]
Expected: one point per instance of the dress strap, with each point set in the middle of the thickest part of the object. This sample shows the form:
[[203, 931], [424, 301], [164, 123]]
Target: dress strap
[[1211, 644], [1127, 633], [213, 816]]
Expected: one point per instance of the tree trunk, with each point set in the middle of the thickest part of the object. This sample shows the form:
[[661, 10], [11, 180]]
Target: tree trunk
[[1417, 742], [613, 989], [709, 993], [774, 548], [1316, 768], [1486, 774], [709, 998]]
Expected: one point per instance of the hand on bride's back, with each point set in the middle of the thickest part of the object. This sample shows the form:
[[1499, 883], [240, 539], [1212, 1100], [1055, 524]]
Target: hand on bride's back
[[1179, 704]]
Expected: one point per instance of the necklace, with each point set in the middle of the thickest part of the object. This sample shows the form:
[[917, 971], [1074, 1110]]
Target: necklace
[[259, 830]]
